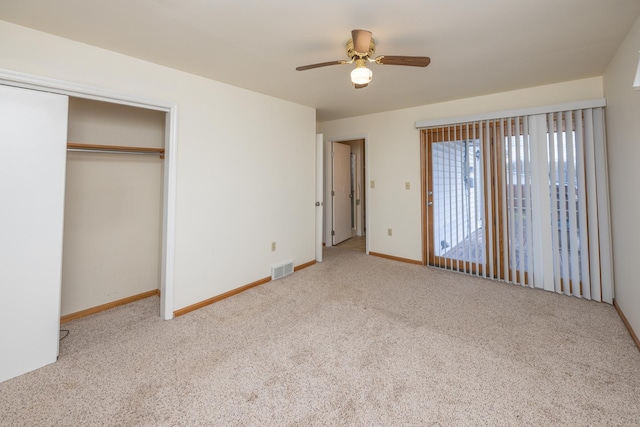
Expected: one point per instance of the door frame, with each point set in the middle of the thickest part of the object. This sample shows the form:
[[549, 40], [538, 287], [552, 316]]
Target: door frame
[[319, 194], [328, 176], [426, 193], [44, 84]]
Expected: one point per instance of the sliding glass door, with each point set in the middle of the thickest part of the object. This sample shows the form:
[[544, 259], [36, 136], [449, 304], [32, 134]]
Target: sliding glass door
[[518, 199], [456, 200]]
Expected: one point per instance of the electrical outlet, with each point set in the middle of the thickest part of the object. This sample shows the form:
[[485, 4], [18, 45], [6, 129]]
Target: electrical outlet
[[389, 232], [373, 184], [407, 185], [273, 246]]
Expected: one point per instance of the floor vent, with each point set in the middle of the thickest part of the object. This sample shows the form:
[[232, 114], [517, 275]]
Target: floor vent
[[281, 270]]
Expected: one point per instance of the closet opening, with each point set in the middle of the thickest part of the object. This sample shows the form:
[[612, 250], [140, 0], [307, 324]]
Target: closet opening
[[113, 214]]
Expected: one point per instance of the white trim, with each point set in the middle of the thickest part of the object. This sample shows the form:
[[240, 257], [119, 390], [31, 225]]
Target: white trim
[[169, 215], [578, 105], [44, 84]]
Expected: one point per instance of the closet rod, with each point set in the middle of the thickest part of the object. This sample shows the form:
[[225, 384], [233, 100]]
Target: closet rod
[[114, 149]]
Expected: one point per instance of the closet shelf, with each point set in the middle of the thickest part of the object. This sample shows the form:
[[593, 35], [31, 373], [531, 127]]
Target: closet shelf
[[114, 149]]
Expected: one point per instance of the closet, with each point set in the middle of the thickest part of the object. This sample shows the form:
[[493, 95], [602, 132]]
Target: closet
[[113, 205], [81, 223]]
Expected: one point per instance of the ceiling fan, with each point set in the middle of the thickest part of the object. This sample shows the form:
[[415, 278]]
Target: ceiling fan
[[360, 49]]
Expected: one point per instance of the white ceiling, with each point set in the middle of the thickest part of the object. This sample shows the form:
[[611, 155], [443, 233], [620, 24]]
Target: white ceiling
[[476, 46]]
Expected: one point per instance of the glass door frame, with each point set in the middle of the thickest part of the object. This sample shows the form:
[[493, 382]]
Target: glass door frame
[[492, 169]]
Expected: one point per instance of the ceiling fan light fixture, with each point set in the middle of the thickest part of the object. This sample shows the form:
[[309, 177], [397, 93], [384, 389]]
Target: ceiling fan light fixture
[[361, 74], [360, 49]]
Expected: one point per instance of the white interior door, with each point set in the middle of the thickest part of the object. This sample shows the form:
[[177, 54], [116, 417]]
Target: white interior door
[[341, 192], [33, 134]]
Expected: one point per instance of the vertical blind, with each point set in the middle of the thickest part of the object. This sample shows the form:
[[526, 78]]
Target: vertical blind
[[522, 199]]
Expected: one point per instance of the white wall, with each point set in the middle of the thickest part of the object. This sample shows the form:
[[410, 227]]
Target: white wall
[[245, 161], [623, 145], [393, 155], [113, 206]]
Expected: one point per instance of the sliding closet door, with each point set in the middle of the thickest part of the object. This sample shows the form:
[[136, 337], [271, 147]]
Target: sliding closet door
[[33, 132]]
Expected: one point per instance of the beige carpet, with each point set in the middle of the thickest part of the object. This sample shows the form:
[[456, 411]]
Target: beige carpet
[[356, 243], [355, 340]]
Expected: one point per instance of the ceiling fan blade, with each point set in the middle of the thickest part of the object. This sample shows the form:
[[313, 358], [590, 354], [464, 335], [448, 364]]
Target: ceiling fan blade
[[357, 86], [361, 40], [412, 61], [321, 64]]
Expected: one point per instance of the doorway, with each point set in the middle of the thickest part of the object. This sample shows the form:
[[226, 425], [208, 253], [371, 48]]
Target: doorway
[[341, 193], [348, 207], [455, 202]]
